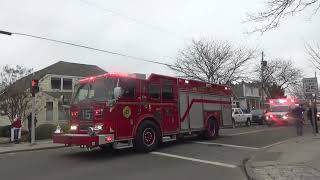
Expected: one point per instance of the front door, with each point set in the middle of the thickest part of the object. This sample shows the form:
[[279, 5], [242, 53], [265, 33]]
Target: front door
[[170, 121]]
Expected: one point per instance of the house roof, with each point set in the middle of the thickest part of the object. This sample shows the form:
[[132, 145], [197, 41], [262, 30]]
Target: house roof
[[237, 91], [57, 95], [59, 68]]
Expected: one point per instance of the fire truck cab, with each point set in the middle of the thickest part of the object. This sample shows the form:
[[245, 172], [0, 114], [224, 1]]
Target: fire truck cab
[[123, 111], [278, 112]]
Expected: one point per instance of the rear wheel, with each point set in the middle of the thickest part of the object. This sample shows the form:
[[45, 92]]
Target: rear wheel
[[260, 122], [248, 123], [212, 129], [147, 137], [233, 123]]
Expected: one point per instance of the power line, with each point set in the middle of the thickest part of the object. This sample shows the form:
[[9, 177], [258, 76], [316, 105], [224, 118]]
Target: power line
[[87, 47], [135, 20]]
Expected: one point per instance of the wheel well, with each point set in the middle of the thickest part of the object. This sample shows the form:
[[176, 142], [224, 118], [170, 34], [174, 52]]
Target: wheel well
[[248, 119], [214, 119], [148, 119]]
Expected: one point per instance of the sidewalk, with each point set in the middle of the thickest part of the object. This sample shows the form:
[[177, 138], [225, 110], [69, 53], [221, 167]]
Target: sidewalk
[[40, 145], [296, 159]]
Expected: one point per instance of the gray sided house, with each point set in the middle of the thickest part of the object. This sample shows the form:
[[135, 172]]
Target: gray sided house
[[54, 81], [247, 96]]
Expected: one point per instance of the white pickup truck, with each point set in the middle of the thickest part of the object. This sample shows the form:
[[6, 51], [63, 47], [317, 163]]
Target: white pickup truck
[[238, 117]]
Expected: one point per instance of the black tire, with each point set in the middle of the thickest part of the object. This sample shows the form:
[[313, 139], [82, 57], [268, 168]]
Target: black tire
[[248, 122], [269, 124], [106, 147], [233, 123], [147, 137], [212, 131]]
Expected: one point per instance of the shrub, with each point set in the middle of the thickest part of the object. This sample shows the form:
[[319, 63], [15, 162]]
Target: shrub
[[45, 131], [5, 131], [65, 128]]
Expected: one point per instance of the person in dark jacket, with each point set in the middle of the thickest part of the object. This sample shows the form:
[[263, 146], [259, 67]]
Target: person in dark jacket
[[297, 114], [310, 115]]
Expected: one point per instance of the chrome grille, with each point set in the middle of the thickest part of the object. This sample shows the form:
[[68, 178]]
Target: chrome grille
[[84, 127]]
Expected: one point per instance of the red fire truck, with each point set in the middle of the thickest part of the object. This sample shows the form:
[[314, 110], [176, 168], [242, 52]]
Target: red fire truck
[[123, 111]]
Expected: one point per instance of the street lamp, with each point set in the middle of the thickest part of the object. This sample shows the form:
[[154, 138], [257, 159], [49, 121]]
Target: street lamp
[[6, 33], [34, 85]]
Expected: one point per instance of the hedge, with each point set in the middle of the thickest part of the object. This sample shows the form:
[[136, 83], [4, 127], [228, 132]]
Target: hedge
[[45, 131], [5, 131]]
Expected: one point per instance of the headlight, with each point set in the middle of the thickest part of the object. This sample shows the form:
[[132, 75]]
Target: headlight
[[98, 127], [285, 117], [73, 127], [318, 115]]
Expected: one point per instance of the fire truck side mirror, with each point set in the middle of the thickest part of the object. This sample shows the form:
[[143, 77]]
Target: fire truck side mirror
[[117, 92]]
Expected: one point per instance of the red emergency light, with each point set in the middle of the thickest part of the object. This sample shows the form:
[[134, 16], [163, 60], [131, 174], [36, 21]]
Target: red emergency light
[[271, 101], [283, 101], [109, 139], [118, 74]]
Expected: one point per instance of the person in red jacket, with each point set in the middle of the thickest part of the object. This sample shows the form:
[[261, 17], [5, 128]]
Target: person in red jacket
[[16, 130]]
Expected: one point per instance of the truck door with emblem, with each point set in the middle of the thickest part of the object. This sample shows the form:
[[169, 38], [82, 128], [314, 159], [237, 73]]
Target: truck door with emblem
[[127, 107], [170, 121]]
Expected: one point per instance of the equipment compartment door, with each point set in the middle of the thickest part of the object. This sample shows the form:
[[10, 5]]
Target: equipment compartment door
[[183, 105], [226, 112], [196, 111]]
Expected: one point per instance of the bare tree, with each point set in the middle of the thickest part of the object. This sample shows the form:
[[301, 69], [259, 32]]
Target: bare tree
[[314, 53], [277, 10], [297, 91], [280, 72], [213, 61], [13, 94]]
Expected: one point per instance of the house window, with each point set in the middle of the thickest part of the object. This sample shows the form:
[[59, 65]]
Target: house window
[[56, 83], [67, 84], [63, 112], [49, 111], [154, 91]]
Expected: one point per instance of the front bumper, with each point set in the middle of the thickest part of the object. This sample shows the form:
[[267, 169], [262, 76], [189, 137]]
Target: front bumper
[[83, 139]]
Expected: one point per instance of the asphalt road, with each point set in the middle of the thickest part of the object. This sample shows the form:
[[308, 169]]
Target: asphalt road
[[193, 159]]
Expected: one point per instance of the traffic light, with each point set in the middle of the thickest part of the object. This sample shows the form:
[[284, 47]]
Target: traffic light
[[34, 86]]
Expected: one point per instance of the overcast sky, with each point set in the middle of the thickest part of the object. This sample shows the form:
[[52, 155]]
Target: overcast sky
[[143, 28]]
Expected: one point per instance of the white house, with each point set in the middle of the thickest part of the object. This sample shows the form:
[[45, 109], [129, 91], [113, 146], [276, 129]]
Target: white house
[[54, 81]]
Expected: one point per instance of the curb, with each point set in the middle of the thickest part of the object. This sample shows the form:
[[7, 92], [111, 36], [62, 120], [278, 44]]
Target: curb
[[247, 163], [32, 149]]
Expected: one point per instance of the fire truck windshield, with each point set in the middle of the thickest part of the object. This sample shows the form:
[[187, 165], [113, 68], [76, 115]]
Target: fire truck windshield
[[279, 109], [98, 90]]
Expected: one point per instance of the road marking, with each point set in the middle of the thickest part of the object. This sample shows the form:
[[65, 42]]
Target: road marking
[[195, 160], [251, 132], [226, 145], [277, 143]]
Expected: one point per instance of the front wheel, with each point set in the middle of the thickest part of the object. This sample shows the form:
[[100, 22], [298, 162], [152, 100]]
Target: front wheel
[[248, 123], [147, 137]]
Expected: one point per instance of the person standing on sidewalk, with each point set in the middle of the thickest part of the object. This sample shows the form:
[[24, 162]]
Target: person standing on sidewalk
[[16, 130], [297, 114]]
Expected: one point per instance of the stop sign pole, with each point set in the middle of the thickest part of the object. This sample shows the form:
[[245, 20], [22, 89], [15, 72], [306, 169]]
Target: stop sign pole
[[310, 88]]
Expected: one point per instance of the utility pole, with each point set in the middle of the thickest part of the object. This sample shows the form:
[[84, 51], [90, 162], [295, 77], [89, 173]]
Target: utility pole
[[315, 109], [33, 119], [263, 65]]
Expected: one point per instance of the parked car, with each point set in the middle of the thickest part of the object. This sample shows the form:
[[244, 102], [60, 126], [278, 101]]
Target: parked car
[[238, 117], [258, 116]]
